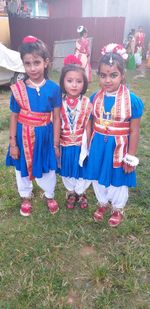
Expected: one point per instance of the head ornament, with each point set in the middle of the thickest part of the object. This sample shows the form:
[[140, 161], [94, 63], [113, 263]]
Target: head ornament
[[81, 29], [29, 39], [115, 48], [71, 59]]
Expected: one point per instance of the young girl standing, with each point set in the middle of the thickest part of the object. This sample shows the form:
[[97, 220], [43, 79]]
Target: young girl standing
[[34, 126], [75, 131], [82, 51], [116, 120]]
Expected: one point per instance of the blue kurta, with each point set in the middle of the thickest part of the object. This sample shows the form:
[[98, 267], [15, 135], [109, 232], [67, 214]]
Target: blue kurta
[[100, 161], [44, 158]]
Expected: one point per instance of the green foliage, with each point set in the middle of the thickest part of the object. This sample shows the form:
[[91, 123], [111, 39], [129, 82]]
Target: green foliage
[[68, 261]]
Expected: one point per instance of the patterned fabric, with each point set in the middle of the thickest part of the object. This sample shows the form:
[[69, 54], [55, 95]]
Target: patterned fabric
[[115, 123], [74, 121], [29, 120], [73, 127], [99, 165], [44, 158], [82, 52]]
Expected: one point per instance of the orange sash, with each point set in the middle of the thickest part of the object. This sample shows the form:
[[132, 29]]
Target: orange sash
[[29, 120]]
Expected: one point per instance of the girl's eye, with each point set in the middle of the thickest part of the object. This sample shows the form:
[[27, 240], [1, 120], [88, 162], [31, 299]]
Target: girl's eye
[[27, 63], [102, 75], [114, 75], [37, 62]]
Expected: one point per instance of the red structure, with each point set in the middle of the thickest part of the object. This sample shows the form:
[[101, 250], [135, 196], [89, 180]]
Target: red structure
[[103, 30]]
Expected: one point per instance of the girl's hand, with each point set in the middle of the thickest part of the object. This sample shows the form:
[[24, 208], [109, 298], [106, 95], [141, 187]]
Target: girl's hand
[[128, 168], [14, 152], [57, 151]]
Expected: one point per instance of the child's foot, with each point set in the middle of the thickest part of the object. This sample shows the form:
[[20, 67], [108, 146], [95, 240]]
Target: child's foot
[[52, 206], [116, 218], [83, 201], [71, 200], [26, 208], [99, 213]]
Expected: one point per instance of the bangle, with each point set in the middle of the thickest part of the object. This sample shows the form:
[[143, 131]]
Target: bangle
[[11, 137], [131, 160]]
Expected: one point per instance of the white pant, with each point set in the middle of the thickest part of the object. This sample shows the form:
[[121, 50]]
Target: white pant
[[118, 196], [47, 183], [77, 185]]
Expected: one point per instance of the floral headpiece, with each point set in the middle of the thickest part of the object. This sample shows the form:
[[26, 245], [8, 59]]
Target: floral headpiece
[[71, 59], [115, 48], [29, 39], [81, 29]]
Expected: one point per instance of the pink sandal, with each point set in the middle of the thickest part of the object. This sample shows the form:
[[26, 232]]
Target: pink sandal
[[83, 201], [52, 206], [99, 213], [115, 219], [71, 200], [26, 208]]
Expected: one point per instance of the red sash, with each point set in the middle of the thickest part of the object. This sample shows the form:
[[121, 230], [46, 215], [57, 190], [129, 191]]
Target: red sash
[[29, 120]]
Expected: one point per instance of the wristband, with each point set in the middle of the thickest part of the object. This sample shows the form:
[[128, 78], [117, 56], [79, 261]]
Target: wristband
[[131, 160]]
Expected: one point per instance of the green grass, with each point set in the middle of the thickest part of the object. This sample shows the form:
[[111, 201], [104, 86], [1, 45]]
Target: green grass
[[68, 261]]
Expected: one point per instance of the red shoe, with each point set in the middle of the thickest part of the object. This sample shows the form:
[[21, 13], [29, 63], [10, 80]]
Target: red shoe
[[83, 201], [26, 208], [71, 200], [116, 218], [52, 206], [99, 213]]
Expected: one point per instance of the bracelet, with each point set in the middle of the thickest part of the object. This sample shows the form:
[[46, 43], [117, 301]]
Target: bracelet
[[131, 160], [12, 137]]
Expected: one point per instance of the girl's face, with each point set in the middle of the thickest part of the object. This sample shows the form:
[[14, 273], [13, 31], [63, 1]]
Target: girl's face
[[110, 77], [73, 83], [35, 66]]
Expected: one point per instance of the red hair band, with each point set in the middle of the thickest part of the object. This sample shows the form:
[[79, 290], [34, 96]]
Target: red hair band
[[29, 39], [71, 59]]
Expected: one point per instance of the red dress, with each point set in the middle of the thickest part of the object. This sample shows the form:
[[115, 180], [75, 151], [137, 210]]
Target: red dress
[[82, 51]]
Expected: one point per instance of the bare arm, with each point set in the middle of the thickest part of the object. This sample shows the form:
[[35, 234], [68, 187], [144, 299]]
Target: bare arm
[[133, 142], [89, 131], [14, 150], [56, 126]]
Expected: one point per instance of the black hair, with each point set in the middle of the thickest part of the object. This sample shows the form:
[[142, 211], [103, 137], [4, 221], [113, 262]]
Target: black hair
[[76, 68], [83, 31], [112, 59], [39, 48]]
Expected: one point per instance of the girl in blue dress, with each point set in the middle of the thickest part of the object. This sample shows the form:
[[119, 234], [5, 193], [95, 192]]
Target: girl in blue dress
[[116, 119], [75, 131], [35, 126]]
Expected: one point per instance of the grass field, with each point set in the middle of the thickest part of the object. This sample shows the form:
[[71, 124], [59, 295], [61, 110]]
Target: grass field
[[68, 261]]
